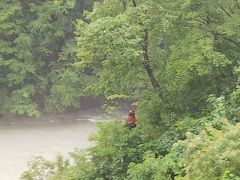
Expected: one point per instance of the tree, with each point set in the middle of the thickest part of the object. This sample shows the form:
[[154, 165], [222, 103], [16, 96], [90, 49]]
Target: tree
[[117, 40], [37, 43]]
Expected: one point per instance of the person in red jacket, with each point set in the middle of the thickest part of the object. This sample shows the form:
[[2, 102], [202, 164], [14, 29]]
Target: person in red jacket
[[132, 119]]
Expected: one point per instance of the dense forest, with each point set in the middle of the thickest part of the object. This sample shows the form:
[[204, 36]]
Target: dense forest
[[38, 49], [176, 60]]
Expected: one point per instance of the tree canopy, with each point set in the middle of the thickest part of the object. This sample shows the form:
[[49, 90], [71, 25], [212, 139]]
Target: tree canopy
[[176, 60]]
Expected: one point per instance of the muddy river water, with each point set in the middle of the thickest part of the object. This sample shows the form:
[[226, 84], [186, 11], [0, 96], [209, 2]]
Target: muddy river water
[[22, 139]]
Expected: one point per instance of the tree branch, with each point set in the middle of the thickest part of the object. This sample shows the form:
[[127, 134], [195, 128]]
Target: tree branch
[[146, 61], [224, 10]]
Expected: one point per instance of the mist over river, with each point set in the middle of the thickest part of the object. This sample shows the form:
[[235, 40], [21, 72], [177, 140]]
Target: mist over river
[[22, 139]]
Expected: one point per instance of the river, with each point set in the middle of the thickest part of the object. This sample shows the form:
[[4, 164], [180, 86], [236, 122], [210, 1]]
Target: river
[[22, 139]]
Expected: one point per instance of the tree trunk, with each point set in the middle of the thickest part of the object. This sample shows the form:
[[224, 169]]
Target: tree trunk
[[147, 67], [146, 61], [146, 64]]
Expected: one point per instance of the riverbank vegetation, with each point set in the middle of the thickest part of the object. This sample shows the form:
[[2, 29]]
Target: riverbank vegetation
[[177, 60]]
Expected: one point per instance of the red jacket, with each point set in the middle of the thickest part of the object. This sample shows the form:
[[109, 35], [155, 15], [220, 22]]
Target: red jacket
[[132, 119]]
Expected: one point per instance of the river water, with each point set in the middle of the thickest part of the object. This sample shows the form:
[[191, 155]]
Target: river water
[[22, 139]]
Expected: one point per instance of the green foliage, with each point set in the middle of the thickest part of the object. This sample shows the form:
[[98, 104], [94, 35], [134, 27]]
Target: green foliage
[[233, 111], [144, 170], [115, 147], [42, 169], [20, 102], [110, 109], [228, 175], [37, 37], [189, 53], [178, 59], [210, 155], [122, 154], [66, 90], [118, 34], [212, 148], [189, 49]]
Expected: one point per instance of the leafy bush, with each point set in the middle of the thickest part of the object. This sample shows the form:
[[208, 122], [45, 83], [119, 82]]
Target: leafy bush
[[115, 147], [213, 154], [20, 103], [42, 169], [66, 90]]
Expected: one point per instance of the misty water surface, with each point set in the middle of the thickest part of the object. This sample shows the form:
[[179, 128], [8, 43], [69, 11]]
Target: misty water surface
[[22, 139]]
